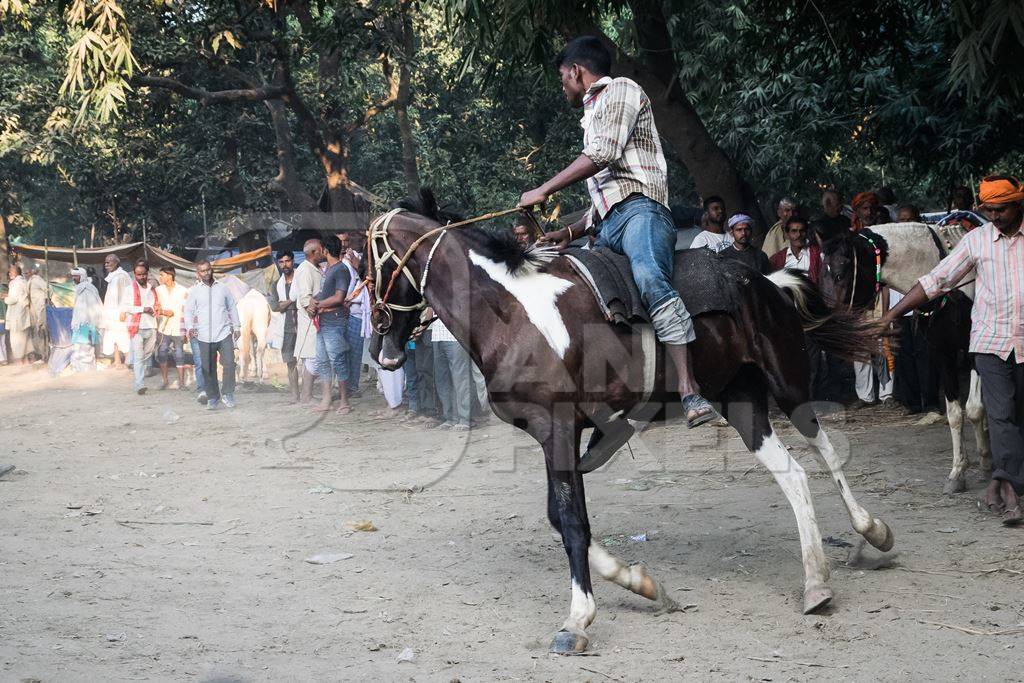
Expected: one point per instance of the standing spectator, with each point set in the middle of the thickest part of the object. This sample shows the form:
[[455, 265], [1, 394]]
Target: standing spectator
[[171, 325], [454, 378], [212, 319], [306, 283], [329, 307], [995, 251], [281, 301], [39, 296], [86, 317], [961, 199], [865, 210], [713, 234], [798, 255], [833, 222], [141, 317], [776, 238], [356, 329], [908, 213], [741, 229], [887, 205], [19, 316], [521, 234], [117, 296], [422, 356]]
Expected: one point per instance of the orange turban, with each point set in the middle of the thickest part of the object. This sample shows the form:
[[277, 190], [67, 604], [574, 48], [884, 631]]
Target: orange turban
[[862, 198], [1000, 190]]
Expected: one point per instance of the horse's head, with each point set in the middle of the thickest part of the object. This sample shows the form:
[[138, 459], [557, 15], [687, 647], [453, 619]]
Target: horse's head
[[397, 299], [849, 273]]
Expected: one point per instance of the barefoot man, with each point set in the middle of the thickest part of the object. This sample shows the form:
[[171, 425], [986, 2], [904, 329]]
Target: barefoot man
[[625, 171], [996, 250]]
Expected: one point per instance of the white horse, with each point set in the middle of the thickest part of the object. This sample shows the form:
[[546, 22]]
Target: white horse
[[913, 253], [254, 316]]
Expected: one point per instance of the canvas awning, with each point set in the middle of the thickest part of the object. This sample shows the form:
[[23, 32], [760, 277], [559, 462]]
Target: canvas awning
[[132, 252]]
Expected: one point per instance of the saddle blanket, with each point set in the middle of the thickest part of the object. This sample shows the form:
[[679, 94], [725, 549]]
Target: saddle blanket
[[705, 281]]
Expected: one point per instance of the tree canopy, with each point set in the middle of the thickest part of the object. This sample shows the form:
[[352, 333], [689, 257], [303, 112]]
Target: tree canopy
[[116, 114]]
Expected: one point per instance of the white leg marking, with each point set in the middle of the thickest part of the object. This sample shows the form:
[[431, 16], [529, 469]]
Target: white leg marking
[[582, 611], [955, 417], [976, 414], [793, 481], [822, 447], [537, 292]]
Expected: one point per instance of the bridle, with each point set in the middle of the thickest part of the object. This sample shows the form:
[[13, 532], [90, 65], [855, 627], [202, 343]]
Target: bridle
[[379, 252]]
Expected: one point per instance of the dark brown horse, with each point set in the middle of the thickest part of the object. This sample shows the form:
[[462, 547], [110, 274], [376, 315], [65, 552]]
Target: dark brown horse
[[907, 251], [551, 362]]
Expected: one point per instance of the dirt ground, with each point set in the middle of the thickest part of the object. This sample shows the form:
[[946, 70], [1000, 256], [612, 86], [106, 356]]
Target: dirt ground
[[142, 538]]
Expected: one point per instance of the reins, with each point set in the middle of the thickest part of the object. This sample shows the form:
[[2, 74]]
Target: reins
[[378, 230]]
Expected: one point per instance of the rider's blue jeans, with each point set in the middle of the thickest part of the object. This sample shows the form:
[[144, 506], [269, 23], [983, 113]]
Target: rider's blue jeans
[[642, 229]]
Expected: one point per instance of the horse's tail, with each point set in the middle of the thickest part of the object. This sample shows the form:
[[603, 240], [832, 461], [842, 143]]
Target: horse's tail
[[845, 334]]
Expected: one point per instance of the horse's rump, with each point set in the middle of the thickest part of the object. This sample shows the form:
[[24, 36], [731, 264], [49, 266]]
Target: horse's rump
[[706, 282]]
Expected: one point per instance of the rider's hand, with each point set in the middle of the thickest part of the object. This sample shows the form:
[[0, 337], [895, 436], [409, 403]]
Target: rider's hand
[[557, 238], [533, 198]]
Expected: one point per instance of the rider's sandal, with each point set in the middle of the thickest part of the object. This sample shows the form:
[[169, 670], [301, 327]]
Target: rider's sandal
[[1013, 516], [698, 404]]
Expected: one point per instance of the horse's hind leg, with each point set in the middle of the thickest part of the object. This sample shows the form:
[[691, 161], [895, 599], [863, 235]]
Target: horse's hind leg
[[875, 531], [745, 406], [976, 414]]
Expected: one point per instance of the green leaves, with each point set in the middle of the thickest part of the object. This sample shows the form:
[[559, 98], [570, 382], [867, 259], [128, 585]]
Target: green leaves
[[100, 62]]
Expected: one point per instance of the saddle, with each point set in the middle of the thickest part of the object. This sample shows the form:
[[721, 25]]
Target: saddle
[[705, 281]]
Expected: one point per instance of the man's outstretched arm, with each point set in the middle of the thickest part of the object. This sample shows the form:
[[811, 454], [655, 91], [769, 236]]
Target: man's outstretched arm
[[580, 169]]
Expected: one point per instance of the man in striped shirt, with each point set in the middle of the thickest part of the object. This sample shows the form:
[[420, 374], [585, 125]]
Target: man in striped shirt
[[625, 171], [996, 251]]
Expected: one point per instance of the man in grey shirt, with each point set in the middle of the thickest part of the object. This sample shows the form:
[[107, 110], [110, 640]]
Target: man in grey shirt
[[212, 318]]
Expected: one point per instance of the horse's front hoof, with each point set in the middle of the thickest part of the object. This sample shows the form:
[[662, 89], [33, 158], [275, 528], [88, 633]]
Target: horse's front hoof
[[816, 598], [569, 643], [958, 485], [880, 536]]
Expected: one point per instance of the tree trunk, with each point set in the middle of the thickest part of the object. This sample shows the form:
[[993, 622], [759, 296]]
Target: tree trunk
[[678, 122], [5, 258], [402, 102]]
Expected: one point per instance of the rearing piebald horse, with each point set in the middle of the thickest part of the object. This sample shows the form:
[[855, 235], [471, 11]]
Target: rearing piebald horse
[[535, 330]]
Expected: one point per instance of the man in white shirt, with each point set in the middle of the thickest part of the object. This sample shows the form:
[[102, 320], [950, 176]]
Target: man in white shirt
[[140, 315], [212, 318], [19, 318], [170, 324], [38, 295], [115, 330], [306, 283], [453, 373]]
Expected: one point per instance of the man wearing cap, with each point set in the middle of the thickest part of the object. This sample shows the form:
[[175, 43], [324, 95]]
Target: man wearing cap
[[996, 251], [86, 318], [865, 210], [741, 229], [626, 176]]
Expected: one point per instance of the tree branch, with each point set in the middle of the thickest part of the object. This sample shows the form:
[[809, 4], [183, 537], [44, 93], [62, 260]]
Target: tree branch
[[208, 97]]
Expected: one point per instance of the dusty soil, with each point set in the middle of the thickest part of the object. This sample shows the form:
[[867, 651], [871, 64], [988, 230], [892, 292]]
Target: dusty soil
[[142, 538]]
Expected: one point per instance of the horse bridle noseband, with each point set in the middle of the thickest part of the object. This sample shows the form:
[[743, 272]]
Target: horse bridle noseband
[[378, 229]]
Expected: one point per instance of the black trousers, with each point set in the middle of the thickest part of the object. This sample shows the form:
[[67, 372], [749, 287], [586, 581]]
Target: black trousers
[[225, 348], [917, 381], [1002, 392]]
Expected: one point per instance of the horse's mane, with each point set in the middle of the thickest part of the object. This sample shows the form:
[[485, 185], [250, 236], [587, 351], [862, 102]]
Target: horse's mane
[[498, 245]]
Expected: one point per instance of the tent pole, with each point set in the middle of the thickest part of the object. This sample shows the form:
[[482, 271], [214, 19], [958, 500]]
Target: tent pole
[[74, 254], [46, 261]]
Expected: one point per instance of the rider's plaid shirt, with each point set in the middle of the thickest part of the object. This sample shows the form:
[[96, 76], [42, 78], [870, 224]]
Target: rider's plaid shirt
[[997, 319], [619, 136]]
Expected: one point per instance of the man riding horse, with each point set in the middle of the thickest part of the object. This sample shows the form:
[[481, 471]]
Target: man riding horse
[[625, 171]]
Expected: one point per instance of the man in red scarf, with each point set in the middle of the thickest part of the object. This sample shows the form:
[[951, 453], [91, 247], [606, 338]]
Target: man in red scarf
[[141, 318], [865, 208]]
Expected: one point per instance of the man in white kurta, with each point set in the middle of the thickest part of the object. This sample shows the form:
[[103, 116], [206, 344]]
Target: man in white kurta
[[19, 318], [307, 282], [118, 297], [38, 295]]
